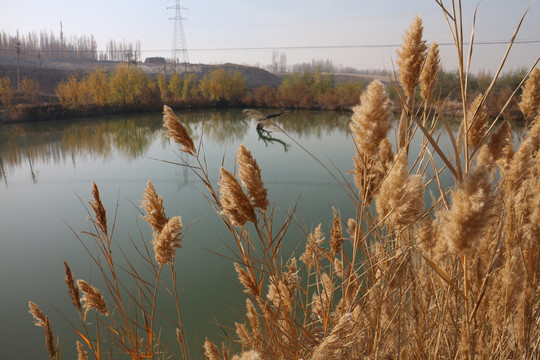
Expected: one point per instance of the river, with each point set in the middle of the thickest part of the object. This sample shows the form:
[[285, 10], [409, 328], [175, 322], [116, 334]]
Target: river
[[46, 174]]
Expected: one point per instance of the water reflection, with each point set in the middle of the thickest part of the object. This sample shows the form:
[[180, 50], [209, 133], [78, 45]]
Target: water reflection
[[26, 146], [267, 138]]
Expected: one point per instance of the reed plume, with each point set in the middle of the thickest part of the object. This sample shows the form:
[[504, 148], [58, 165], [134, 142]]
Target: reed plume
[[92, 298], [523, 161], [336, 234], [313, 247], [250, 176], [499, 149], [73, 290], [99, 212], [477, 123], [250, 286], [530, 97], [41, 320], [177, 131], [430, 71], [279, 295], [211, 351], [39, 317], [370, 120], [248, 355], [474, 208], [153, 205], [411, 57], [167, 241], [81, 353], [400, 199], [370, 125], [252, 315], [234, 202], [334, 344]]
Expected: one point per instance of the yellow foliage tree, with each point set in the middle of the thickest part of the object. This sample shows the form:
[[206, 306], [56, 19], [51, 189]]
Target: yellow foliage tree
[[223, 85], [162, 85], [98, 86], [130, 86], [6, 92], [29, 89], [69, 92]]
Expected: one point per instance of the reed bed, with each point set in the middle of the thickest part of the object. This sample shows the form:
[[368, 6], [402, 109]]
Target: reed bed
[[454, 277]]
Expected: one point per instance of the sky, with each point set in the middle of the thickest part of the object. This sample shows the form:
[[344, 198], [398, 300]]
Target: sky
[[363, 34]]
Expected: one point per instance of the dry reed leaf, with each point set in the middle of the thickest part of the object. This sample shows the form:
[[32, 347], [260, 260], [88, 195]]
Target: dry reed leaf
[[530, 97], [167, 241], [234, 202], [250, 176], [411, 57], [92, 298], [177, 131], [153, 205]]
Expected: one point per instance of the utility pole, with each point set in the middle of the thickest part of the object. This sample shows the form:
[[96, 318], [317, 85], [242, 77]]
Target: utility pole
[[179, 48], [18, 48]]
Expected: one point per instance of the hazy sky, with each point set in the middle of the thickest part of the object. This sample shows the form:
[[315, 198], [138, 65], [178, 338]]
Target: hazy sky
[[362, 32]]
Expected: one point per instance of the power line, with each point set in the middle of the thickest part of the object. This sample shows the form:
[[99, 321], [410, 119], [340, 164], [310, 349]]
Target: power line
[[294, 47], [495, 42]]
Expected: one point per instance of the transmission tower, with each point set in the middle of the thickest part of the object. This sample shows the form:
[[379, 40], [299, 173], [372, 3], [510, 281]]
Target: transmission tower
[[179, 48]]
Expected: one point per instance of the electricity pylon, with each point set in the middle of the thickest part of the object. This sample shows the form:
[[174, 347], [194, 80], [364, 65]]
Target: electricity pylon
[[179, 48]]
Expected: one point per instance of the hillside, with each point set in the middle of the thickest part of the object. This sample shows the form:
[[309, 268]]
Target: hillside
[[52, 72]]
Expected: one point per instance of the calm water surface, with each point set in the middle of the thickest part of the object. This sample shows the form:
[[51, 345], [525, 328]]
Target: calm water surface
[[46, 173]]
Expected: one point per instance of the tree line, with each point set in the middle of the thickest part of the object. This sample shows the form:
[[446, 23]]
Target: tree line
[[47, 45], [130, 87]]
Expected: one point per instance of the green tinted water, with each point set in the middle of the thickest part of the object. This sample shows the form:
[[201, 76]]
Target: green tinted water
[[46, 173]]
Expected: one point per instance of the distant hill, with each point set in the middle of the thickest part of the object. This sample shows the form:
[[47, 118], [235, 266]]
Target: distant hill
[[52, 72]]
